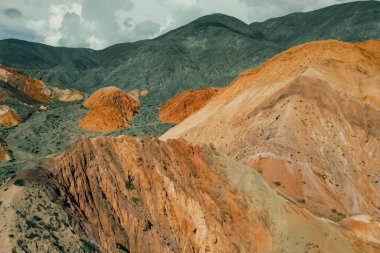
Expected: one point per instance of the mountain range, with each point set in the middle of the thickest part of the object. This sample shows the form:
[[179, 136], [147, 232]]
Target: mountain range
[[218, 136]]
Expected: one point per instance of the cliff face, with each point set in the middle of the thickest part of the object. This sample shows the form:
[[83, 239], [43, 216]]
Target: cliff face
[[179, 107], [308, 121], [110, 108], [145, 195]]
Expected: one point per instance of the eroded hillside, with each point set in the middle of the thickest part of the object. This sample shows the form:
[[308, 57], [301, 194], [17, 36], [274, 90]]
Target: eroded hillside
[[308, 121], [145, 195]]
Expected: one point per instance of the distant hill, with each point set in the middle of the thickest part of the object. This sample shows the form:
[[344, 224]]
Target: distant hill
[[351, 22], [30, 55]]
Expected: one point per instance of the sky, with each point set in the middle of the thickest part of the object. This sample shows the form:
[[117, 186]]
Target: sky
[[100, 23]]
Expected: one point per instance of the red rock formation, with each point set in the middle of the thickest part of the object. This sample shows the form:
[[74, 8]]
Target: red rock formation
[[185, 103], [8, 116], [36, 89], [146, 195], [3, 152], [110, 108], [308, 120]]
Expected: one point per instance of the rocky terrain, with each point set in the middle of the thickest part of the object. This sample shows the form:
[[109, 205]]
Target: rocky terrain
[[8, 116], [14, 82], [285, 158], [109, 108], [3, 152], [145, 195], [30, 125], [33, 219], [308, 121], [179, 107]]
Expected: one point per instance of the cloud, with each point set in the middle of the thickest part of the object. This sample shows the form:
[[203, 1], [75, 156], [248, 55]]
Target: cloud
[[101, 23], [146, 29], [262, 10], [13, 13], [128, 22]]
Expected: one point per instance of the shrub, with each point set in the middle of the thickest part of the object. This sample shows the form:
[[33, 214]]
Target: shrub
[[129, 183], [89, 247], [135, 200], [19, 182]]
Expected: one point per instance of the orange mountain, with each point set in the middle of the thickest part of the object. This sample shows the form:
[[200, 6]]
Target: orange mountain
[[3, 152], [308, 120], [179, 107], [34, 88], [8, 116], [110, 108]]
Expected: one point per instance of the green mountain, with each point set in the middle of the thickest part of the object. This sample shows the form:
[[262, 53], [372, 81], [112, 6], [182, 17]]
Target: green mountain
[[30, 55], [349, 22]]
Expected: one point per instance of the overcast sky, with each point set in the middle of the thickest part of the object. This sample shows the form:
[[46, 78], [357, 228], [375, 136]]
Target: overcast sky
[[101, 23]]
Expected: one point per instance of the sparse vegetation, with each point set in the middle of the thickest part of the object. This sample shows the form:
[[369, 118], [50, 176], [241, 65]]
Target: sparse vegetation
[[302, 201], [135, 200], [19, 182], [337, 216], [277, 183], [31, 236], [129, 183], [89, 247]]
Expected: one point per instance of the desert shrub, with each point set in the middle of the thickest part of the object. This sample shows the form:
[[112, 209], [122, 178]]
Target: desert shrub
[[129, 183], [135, 200], [89, 247], [19, 182]]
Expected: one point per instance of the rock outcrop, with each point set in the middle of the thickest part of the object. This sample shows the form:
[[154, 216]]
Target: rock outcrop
[[179, 107], [138, 93], [110, 108], [145, 195], [16, 83], [3, 152], [308, 120], [8, 116]]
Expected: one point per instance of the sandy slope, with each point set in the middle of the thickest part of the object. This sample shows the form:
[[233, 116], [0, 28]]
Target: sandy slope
[[179, 107], [308, 120]]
